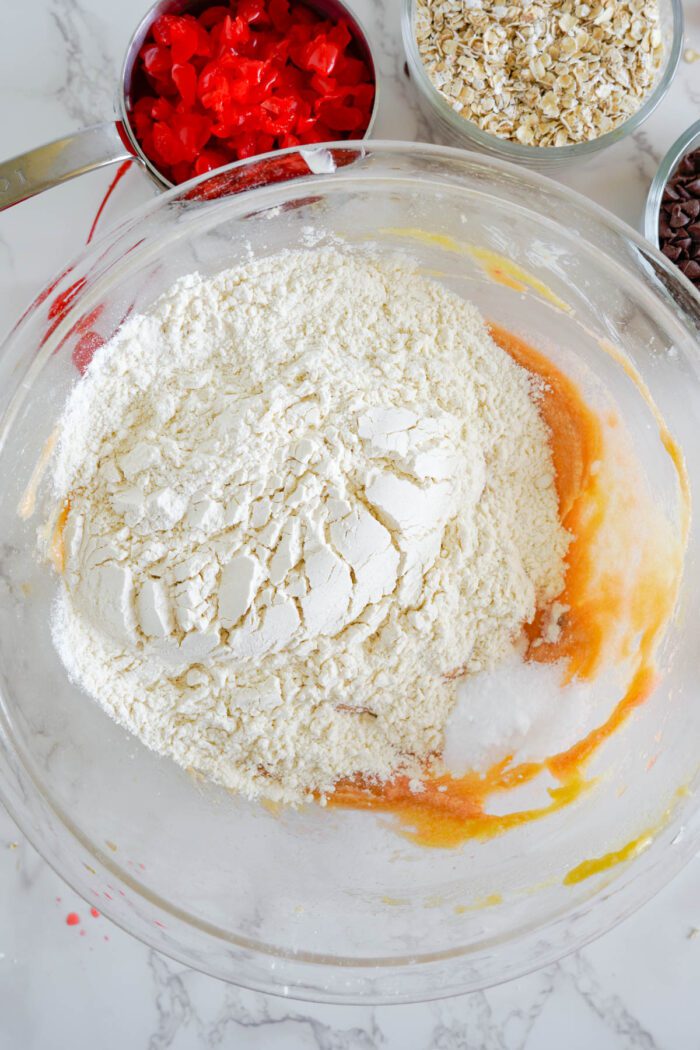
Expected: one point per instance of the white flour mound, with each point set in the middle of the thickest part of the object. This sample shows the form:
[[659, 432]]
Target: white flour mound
[[306, 495]]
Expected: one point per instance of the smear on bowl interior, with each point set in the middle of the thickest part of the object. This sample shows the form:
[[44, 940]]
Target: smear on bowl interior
[[583, 664], [324, 535]]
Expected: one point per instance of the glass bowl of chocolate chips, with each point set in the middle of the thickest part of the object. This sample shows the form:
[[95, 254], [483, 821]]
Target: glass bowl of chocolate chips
[[672, 217]]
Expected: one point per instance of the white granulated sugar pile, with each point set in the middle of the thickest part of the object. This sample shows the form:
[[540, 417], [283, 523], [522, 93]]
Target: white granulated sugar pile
[[306, 495]]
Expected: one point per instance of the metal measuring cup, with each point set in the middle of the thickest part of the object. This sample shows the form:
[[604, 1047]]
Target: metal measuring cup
[[113, 141]]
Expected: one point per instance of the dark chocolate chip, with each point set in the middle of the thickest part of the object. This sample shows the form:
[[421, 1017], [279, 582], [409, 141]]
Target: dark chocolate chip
[[691, 269], [679, 217]]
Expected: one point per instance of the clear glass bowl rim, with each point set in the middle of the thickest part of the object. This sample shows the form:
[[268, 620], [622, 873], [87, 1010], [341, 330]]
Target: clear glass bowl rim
[[471, 134], [639, 880]]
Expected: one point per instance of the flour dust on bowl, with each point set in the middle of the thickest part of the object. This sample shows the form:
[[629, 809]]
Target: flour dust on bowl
[[554, 790]]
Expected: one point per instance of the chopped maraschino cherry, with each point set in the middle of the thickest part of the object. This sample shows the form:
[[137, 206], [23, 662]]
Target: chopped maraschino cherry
[[244, 78]]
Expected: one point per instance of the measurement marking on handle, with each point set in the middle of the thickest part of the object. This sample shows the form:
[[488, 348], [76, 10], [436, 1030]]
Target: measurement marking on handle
[[15, 177]]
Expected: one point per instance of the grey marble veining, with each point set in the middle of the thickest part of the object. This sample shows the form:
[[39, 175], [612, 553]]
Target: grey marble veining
[[86, 88], [92, 986]]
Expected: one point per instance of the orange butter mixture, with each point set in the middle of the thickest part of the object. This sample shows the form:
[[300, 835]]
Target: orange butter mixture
[[598, 598]]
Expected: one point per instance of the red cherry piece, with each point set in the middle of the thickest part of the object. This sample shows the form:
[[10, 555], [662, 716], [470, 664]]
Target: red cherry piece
[[193, 132], [181, 172], [179, 33], [350, 71], [155, 60], [340, 35], [213, 15], [229, 35], [209, 159], [279, 15], [185, 39], [167, 144], [162, 109], [253, 12], [322, 57], [185, 78]]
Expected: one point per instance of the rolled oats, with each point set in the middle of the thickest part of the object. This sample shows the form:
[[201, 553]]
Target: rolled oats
[[544, 73]]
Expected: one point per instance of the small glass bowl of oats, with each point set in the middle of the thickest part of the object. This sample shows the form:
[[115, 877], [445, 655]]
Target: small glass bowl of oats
[[543, 83]]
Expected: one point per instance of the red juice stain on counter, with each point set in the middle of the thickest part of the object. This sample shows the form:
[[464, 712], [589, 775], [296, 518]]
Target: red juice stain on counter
[[72, 919], [94, 912], [121, 172]]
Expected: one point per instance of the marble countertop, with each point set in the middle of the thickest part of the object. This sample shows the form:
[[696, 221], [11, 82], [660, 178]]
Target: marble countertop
[[91, 985]]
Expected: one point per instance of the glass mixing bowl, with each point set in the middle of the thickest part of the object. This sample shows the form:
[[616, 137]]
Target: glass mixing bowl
[[328, 904]]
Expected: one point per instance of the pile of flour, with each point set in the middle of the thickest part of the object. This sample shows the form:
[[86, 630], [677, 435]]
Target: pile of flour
[[306, 496]]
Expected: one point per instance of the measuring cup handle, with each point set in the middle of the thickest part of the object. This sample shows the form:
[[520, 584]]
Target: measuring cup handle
[[58, 161]]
